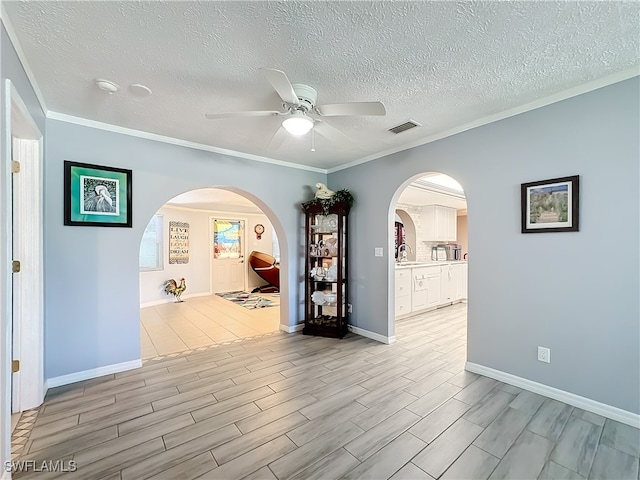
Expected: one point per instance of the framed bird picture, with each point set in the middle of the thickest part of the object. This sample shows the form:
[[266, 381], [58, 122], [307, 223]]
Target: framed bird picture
[[96, 196]]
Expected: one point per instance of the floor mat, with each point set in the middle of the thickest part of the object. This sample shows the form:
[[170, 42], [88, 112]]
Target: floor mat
[[249, 300]]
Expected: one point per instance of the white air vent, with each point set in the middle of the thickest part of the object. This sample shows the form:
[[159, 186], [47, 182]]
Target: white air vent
[[405, 126]]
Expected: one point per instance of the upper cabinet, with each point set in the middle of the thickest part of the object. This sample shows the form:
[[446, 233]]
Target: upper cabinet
[[439, 224]]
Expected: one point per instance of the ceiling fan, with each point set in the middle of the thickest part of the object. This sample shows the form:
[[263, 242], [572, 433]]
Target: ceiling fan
[[299, 102]]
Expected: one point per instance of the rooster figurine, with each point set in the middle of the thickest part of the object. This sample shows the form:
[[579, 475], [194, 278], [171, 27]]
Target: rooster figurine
[[172, 288]]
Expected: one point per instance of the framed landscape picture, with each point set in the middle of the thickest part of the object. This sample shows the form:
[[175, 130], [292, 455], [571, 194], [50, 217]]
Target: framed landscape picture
[[95, 195], [550, 205]]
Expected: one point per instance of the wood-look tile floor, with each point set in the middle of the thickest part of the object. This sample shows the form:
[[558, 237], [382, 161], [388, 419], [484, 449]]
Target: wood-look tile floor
[[288, 406], [202, 321]]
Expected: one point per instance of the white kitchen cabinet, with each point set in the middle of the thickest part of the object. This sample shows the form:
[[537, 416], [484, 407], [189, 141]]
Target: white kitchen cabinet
[[433, 287], [426, 288], [447, 289], [457, 274], [403, 292], [419, 294], [439, 224], [465, 281], [452, 281]]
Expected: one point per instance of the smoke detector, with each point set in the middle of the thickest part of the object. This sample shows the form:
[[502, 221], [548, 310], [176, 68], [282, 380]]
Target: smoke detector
[[107, 86]]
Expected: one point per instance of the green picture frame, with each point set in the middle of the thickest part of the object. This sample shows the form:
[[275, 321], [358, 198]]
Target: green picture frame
[[96, 196]]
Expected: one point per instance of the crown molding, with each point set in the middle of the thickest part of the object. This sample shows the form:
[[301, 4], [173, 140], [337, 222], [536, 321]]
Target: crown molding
[[63, 117], [541, 102], [4, 16]]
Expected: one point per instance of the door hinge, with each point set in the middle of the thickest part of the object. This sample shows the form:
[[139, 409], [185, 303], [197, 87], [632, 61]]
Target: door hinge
[[15, 366], [15, 266], [15, 167]]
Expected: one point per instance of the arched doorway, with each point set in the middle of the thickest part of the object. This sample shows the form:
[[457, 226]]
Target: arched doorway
[[430, 286], [205, 236], [405, 233]]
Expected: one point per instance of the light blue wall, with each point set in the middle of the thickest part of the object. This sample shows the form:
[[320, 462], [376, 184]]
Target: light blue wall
[[576, 293], [91, 273]]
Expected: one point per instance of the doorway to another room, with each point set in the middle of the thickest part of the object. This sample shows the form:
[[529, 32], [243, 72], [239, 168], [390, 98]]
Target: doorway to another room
[[199, 248], [430, 269]]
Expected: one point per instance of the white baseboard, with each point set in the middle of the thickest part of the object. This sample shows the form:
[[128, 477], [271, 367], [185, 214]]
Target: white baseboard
[[608, 411], [372, 335], [172, 300], [292, 328], [93, 373]]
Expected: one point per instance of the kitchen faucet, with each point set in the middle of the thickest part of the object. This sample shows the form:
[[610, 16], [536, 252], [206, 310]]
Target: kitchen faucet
[[402, 252]]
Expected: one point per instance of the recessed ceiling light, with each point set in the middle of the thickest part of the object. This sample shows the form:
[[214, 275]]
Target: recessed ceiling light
[[139, 90], [107, 86]]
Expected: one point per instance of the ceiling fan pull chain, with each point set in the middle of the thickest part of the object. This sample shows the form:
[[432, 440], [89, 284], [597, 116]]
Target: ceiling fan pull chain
[[313, 139]]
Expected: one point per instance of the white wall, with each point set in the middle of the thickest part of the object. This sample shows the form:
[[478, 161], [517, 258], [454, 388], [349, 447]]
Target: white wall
[[197, 273], [557, 290]]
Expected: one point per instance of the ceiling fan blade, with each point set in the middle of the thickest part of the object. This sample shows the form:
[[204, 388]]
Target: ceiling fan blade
[[353, 108], [281, 84], [330, 133], [278, 139], [257, 113]]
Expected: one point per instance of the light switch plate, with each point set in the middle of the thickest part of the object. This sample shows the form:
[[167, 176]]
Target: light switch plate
[[378, 252]]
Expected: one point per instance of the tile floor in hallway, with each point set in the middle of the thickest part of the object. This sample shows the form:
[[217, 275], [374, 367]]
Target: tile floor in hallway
[[289, 406], [202, 321]]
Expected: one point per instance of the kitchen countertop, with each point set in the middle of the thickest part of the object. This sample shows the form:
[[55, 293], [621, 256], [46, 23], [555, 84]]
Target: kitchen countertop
[[401, 266]]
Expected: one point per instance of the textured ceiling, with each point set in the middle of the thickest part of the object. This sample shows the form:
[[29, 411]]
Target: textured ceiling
[[442, 64]]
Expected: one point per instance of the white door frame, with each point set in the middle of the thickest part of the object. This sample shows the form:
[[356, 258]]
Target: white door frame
[[28, 337], [244, 246]]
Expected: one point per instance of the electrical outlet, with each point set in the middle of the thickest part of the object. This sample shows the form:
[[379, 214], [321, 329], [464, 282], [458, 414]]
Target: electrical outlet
[[349, 308], [544, 354]]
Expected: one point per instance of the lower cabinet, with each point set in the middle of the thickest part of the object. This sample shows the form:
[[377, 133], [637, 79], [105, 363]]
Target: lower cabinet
[[403, 292], [446, 284], [422, 288], [465, 281], [433, 288], [451, 281]]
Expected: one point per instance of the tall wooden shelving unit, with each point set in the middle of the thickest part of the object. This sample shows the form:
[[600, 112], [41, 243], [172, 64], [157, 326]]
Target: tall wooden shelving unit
[[326, 269]]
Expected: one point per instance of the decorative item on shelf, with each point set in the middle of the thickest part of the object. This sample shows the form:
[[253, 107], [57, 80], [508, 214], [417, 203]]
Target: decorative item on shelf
[[330, 223], [318, 273], [317, 297], [341, 196], [259, 229], [323, 191], [331, 247], [332, 273], [171, 287], [330, 298]]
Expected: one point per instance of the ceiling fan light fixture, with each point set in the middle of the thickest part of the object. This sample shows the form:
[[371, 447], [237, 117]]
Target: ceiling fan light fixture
[[297, 124]]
